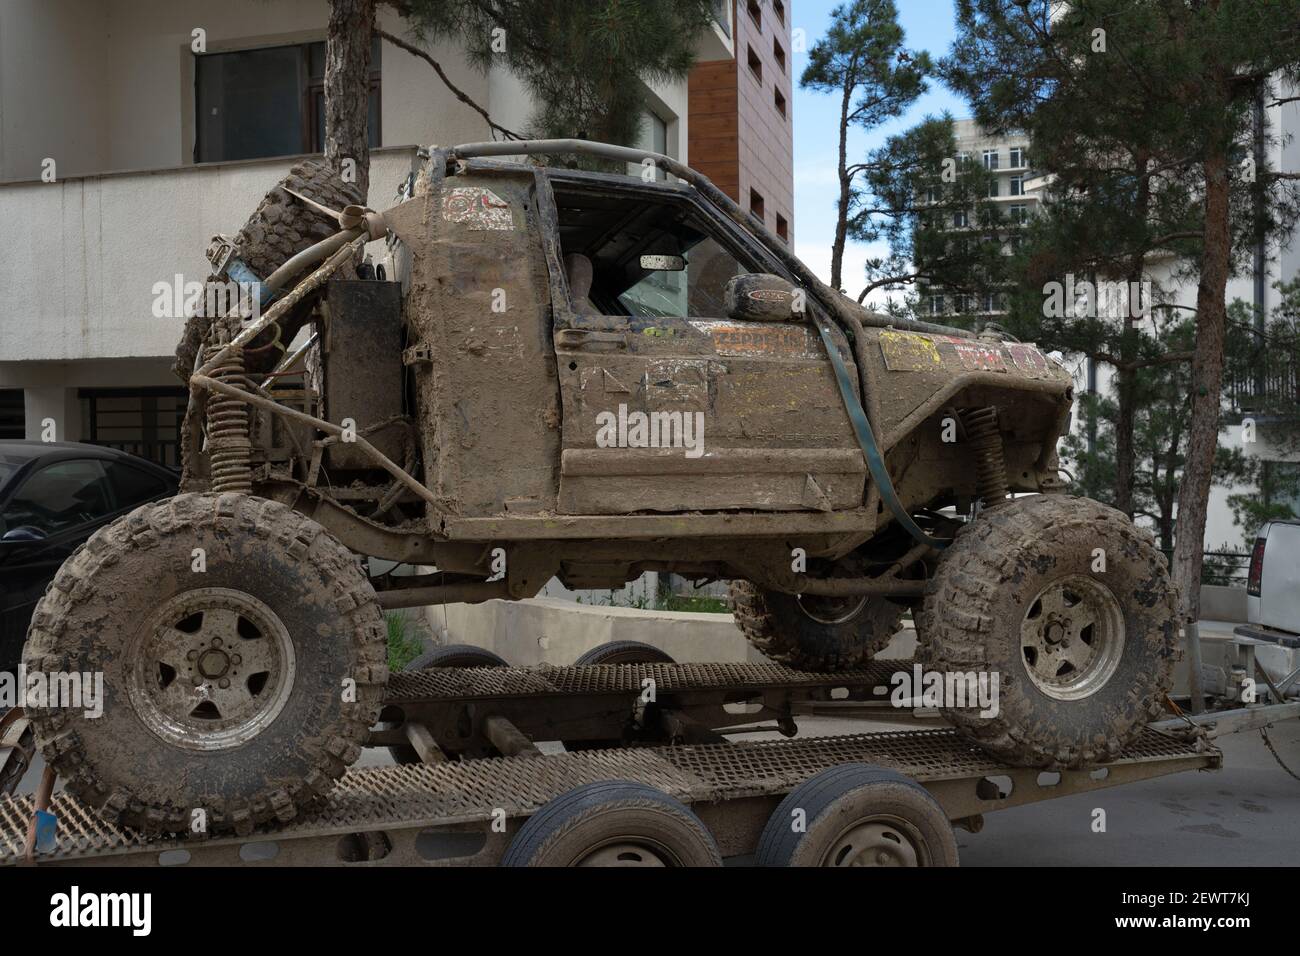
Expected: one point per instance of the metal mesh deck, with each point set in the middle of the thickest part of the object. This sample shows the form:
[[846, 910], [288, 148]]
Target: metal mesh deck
[[477, 682], [422, 795]]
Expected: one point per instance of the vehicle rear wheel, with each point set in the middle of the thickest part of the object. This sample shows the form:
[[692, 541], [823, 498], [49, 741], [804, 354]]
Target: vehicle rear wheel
[[813, 633], [449, 655], [613, 823], [858, 815], [1071, 607], [242, 654]]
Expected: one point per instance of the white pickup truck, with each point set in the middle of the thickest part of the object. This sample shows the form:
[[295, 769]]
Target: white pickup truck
[[1273, 586]]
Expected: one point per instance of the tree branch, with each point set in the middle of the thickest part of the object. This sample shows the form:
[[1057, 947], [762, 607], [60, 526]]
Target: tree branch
[[456, 91]]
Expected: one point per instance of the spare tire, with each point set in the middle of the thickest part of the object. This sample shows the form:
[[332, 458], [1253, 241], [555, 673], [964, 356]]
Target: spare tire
[[280, 227]]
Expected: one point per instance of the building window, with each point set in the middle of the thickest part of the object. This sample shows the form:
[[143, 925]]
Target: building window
[[1017, 157], [782, 228], [959, 219], [993, 188], [755, 13], [755, 64], [961, 303], [779, 54], [992, 302], [13, 413], [1018, 213], [935, 304], [990, 159], [142, 421], [779, 100], [1017, 185], [779, 9], [1014, 243], [756, 203], [267, 102]]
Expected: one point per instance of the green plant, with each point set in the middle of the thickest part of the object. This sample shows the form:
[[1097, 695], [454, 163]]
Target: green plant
[[403, 645]]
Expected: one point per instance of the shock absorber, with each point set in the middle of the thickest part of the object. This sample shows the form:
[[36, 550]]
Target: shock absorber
[[229, 444], [981, 426]]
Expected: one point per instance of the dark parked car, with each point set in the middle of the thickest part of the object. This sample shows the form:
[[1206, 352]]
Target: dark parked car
[[53, 496]]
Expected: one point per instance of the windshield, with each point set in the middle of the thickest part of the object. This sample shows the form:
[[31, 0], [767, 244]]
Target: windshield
[[696, 291]]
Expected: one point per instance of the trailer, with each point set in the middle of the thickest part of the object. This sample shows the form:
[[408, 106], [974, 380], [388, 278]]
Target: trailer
[[648, 776]]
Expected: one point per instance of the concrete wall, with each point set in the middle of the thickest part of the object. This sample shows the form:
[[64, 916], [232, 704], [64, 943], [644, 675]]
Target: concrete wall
[[553, 631]]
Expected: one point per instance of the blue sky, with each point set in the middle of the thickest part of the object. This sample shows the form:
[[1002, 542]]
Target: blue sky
[[929, 25]]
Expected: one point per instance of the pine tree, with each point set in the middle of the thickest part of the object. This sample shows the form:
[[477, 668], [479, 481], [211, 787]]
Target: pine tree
[[1153, 101], [861, 59]]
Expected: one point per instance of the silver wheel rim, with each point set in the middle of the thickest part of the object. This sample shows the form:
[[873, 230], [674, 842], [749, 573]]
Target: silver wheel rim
[[876, 842], [211, 669], [1072, 637], [624, 852], [831, 610]]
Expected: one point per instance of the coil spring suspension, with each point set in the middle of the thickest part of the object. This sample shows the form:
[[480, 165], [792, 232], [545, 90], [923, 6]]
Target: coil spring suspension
[[229, 444], [981, 426]]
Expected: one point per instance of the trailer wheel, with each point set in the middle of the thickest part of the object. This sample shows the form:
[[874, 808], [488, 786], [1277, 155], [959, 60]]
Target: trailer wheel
[[1072, 608], [624, 652], [613, 823], [858, 815], [449, 655], [617, 652], [242, 655], [813, 633]]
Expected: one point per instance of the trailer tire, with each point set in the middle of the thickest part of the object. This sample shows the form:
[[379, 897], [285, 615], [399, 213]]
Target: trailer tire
[[616, 652], [613, 823], [624, 652], [1072, 607], [448, 655], [281, 612], [858, 815], [783, 628]]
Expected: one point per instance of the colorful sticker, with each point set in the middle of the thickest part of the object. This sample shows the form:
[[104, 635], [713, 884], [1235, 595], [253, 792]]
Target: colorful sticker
[[980, 358], [478, 207], [909, 352]]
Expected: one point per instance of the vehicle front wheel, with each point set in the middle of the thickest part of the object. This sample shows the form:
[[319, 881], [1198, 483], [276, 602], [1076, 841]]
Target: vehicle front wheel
[[242, 656], [814, 633], [1070, 608]]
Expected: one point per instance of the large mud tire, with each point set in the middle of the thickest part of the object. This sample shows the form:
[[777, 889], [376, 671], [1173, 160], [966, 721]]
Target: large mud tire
[[1023, 572], [309, 691], [280, 227], [781, 627]]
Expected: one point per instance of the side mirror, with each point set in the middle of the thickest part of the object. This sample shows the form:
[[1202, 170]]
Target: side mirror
[[762, 297], [663, 263]]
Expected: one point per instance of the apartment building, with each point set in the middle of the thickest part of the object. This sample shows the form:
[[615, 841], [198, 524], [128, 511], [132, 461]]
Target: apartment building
[[741, 118], [1005, 159]]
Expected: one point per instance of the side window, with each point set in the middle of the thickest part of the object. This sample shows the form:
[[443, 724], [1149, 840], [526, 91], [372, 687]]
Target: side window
[[133, 486], [695, 292], [59, 497]]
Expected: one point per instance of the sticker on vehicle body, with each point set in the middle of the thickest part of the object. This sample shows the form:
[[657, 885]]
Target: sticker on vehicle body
[[760, 339], [980, 358], [477, 207], [909, 352], [1029, 360]]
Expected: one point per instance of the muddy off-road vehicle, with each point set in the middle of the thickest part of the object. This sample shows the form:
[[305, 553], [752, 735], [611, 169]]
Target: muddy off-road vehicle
[[583, 375]]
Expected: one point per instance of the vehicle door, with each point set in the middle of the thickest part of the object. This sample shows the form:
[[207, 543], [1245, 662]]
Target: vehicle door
[[670, 404]]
